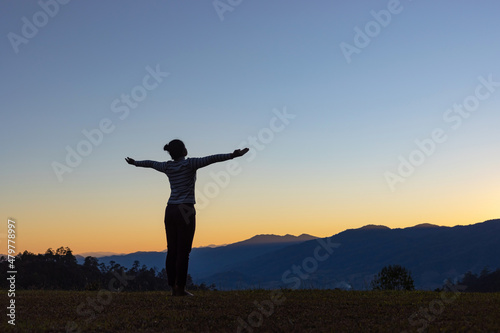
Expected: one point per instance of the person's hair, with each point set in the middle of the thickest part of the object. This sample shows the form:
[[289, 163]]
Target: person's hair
[[176, 149]]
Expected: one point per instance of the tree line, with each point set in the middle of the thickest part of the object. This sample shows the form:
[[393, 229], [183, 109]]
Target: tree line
[[486, 281], [396, 277], [60, 270]]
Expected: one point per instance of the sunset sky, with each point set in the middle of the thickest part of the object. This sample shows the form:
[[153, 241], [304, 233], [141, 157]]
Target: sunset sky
[[355, 113]]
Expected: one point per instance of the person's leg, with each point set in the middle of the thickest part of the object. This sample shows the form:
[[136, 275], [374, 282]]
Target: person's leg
[[172, 245], [186, 228]]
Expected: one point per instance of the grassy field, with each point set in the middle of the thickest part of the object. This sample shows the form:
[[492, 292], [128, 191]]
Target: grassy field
[[254, 311]]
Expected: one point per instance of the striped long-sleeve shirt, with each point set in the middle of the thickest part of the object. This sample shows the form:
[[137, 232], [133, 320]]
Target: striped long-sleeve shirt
[[182, 175]]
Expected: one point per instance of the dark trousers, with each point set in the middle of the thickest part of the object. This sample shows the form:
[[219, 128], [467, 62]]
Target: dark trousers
[[180, 222]]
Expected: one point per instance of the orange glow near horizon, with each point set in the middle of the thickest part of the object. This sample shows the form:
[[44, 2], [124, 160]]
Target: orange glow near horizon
[[125, 219], [145, 232]]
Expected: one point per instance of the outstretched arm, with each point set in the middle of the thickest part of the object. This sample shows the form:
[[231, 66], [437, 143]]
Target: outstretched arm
[[159, 166], [200, 162]]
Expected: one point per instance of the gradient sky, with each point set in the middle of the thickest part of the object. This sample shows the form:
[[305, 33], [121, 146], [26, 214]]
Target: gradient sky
[[355, 117]]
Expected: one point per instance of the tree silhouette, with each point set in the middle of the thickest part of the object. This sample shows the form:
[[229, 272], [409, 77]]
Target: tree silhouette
[[393, 278], [59, 269], [486, 281]]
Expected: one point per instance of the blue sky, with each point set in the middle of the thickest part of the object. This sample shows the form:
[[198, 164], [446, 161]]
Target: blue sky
[[323, 173]]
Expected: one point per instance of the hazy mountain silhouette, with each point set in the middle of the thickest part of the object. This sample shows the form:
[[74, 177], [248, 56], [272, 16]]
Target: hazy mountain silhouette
[[426, 225], [430, 252], [270, 239], [206, 261], [100, 254], [373, 226], [150, 259]]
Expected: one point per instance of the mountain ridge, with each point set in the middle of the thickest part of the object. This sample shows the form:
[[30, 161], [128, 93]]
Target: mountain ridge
[[201, 258], [433, 253], [302, 237]]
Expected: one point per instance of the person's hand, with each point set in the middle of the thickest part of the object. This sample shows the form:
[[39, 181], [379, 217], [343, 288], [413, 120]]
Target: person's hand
[[130, 160], [240, 152]]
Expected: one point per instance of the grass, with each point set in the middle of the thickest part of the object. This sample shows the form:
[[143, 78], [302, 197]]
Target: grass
[[254, 311]]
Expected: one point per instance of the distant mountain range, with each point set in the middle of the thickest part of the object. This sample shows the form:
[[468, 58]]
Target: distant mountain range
[[347, 260], [100, 254], [206, 261]]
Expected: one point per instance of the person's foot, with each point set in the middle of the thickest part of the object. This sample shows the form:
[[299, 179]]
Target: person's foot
[[185, 293], [177, 291]]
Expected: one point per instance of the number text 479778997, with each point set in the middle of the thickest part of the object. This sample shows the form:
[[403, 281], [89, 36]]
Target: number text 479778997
[[11, 272]]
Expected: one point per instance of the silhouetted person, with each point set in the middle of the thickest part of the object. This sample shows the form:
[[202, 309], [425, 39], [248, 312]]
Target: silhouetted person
[[180, 212]]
